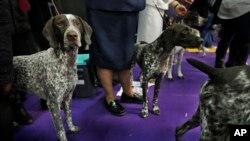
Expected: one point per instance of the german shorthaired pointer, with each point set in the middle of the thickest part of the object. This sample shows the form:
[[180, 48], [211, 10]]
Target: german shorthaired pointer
[[193, 20], [224, 101], [153, 57], [179, 51], [52, 74]]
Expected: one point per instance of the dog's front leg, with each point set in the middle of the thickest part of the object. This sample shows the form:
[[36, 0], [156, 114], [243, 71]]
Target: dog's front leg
[[190, 124], [67, 110], [144, 111], [158, 80], [179, 61], [54, 108]]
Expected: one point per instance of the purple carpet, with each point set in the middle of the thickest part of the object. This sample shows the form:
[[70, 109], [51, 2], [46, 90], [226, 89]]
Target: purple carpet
[[177, 100]]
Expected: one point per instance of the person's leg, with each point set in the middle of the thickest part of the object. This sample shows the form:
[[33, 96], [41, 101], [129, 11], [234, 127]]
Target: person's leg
[[128, 94], [239, 48], [241, 58], [105, 76], [6, 73], [22, 44], [125, 78], [6, 112], [226, 35], [233, 52]]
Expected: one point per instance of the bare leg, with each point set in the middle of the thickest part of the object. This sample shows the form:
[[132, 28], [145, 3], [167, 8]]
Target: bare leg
[[105, 76], [125, 78]]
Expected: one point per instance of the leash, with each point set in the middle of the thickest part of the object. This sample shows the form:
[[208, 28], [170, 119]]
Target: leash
[[162, 16], [54, 5], [165, 22]]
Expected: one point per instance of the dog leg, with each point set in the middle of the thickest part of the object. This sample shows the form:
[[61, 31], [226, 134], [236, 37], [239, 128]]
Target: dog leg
[[202, 49], [188, 125], [170, 65], [156, 108], [54, 109], [144, 111], [179, 61], [67, 110]]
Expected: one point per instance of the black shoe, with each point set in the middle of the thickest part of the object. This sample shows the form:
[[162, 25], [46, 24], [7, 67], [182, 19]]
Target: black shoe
[[135, 99], [21, 116], [115, 108], [43, 104]]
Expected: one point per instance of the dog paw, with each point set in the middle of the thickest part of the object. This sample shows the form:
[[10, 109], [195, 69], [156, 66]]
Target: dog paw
[[181, 77], [74, 129], [156, 110], [170, 79], [144, 114]]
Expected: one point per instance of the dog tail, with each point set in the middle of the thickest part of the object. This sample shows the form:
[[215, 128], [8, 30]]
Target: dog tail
[[210, 71]]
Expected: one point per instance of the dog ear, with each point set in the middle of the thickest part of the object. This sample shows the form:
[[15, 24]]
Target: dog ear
[[210, 71], [87, 31], [48, 33]]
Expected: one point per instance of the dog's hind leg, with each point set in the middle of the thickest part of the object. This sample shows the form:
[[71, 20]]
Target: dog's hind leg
[[178, 64], [170, 67], [67, 110], [190, 124], [144, 111], [158, 80], [54, 108]]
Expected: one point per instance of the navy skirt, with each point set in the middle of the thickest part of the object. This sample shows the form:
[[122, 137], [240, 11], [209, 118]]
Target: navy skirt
[[113, 38]]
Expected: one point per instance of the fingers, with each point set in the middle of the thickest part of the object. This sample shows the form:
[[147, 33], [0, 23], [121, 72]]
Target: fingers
[[181, 10]]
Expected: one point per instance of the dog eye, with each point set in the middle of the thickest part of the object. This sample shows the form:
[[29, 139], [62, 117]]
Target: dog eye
[[185, 31], [60, 24], [77, 23]]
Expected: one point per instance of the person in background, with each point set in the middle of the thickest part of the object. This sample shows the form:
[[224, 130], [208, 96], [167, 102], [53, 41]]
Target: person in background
[[114, 26], [235, 19], [204, 9], [15, 39], [150, 24]]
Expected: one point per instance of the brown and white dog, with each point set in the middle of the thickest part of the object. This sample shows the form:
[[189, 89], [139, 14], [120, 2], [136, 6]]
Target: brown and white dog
[[195, 21], [152, 58], [52, 74]]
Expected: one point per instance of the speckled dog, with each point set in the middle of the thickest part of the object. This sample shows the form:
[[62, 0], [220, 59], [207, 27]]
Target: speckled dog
[[152, 58], [52, 74], [224, 101]]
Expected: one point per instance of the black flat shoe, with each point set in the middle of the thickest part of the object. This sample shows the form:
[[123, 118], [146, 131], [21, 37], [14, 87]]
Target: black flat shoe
[[21, 116], [115, 108], [135, 99]]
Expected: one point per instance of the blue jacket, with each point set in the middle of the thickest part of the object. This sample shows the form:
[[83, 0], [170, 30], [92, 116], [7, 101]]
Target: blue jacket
[[116, 5]]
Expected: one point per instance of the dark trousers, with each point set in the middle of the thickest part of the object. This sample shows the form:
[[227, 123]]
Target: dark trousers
[[235, 34], [226, 34], [6, 71], [239, 47]]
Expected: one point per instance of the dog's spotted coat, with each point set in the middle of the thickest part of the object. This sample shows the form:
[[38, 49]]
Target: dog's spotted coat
[[52, 74], [153, 57], [224, 101]]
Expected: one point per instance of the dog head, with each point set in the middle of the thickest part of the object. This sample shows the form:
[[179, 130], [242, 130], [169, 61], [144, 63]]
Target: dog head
[[223, 76], [67, 32], [180, 35], [193, 19]]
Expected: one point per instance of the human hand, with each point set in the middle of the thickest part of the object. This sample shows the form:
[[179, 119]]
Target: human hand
[[189, 1], [181, 10]]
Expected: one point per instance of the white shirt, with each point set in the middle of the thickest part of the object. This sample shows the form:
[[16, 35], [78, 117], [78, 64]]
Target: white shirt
[[162, 4], [230, 9]]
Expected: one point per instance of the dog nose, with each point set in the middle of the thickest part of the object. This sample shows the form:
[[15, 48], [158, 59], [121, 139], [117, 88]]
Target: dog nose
[[200, 41], [72, 36]]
